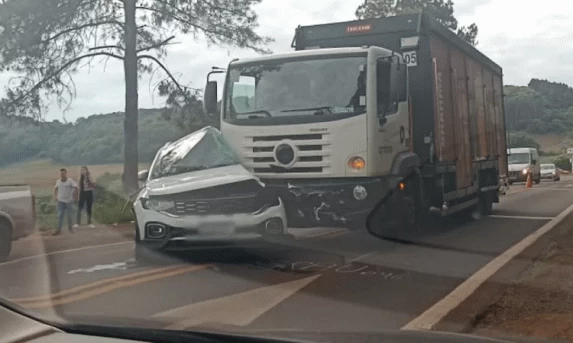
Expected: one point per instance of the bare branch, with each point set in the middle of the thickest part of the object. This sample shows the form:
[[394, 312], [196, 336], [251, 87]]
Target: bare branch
[[168, 74], [60, 70], [158, 45], [80, 27], [107, 47]]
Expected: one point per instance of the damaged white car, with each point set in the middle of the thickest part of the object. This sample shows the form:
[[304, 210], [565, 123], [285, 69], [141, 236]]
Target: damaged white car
[[198, 195]]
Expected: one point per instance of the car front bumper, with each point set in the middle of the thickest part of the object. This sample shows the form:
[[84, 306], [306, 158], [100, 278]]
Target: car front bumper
[[207, 231]]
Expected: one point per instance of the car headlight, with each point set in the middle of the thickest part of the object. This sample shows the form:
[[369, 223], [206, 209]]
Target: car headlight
[[157, 205], [525, 171]]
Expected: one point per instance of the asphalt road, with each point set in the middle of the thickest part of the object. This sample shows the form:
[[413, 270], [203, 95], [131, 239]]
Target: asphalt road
[[335, 281]]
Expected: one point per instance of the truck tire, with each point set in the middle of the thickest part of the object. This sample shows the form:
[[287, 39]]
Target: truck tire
[[5, 241], [537, 181]]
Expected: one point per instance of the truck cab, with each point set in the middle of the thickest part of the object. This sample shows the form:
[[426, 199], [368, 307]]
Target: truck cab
[[521, 162], [318, 123]]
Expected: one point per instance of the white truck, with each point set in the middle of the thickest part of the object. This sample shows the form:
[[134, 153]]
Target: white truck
[[17, 216], [379, 120]]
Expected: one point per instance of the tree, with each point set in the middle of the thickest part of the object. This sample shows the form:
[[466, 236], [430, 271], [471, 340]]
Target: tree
[[442, 10], [45, 42]]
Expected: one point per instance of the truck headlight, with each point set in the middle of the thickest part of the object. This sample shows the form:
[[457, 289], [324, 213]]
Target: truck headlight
[[525, 171], [356, 163], [157, 205]]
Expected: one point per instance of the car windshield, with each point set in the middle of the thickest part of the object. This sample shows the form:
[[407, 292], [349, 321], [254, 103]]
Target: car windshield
[[295, 170], [302, 87], [205, 149], [518, 158]]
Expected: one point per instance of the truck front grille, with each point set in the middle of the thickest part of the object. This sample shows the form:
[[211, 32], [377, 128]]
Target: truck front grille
[[313, 155]]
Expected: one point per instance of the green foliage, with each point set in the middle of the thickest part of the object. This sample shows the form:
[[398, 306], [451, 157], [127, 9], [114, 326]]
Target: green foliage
[[542, 107], [519, 140], [562, 162], [442, 10], [97, 139], [111, 205]]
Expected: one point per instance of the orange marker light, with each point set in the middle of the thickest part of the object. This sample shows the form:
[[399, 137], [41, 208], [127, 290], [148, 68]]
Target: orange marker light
[[402, 186], [357, 163]]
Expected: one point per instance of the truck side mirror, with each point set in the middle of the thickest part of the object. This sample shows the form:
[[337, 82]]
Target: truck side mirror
[[210, 98], [143, 175]]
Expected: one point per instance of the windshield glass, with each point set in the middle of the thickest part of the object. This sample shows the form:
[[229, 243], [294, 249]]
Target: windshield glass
[[320, 86], [518, 158], [205, 149], [308, 170]]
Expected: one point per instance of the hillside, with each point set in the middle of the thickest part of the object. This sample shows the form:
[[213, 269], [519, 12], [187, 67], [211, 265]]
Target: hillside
[[97, 139], [543, 107]]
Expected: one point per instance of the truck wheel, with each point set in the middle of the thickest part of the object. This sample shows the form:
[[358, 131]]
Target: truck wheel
[[537, 181], [5, 241], [484, 207]]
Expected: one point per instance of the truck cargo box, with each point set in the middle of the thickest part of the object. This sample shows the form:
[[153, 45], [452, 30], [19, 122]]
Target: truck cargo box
[[458, 122]]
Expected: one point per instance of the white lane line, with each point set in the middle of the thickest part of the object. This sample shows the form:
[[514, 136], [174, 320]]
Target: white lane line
[[89, 247], [238, 309], [521, 217], [363, 256], [433, 315]]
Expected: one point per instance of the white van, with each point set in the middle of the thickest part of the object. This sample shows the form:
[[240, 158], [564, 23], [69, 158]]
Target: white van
[[522, 161]]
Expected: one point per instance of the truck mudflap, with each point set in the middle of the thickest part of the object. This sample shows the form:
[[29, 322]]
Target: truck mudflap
[[333, 202]]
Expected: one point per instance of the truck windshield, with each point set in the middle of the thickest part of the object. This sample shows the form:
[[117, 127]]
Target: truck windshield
[[520, 158], [311, 87]]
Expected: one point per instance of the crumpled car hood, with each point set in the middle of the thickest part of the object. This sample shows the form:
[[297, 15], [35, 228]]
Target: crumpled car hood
[[198, 180]]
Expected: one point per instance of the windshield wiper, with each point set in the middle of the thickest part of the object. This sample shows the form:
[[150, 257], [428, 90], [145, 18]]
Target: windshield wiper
[[265, 112], [319, 110]]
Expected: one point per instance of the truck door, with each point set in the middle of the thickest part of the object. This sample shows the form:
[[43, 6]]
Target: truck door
[[389, 134]]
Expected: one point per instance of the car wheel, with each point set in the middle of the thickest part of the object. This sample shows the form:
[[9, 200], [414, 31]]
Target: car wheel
[[5, 241]]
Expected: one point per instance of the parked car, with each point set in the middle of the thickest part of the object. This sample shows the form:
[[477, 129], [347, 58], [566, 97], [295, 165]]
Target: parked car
[[550, 172], [17, 216], [198, 195]]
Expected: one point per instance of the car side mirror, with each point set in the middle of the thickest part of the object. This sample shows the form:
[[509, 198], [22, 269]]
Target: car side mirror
[[143, 175], [210, 98], [534, 162]]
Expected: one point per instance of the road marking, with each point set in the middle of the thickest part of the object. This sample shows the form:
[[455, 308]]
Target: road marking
[[89, 247], [363, 256], [94, 284], [93, 289], [433, 315], [521, 217], [238, 309]]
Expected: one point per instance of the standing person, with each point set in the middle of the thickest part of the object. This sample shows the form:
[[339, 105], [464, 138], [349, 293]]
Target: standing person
[[65, 193], [87, 187]]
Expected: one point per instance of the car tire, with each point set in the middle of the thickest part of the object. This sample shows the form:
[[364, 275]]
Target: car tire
[[145, 254], [537, 181], [5, 241]]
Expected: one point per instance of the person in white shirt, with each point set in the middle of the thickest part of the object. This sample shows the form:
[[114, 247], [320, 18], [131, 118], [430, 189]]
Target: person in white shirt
[[65, 193]]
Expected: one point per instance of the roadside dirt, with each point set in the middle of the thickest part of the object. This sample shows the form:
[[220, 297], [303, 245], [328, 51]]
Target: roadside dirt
[[539, 303]]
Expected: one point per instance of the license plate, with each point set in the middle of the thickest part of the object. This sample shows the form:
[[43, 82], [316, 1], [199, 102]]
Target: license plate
[[217, 229]]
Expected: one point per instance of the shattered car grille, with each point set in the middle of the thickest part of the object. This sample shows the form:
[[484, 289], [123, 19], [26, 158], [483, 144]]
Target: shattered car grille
[[248, 203]]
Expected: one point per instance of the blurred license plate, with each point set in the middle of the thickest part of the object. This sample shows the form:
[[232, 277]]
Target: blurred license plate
[[216, 229]]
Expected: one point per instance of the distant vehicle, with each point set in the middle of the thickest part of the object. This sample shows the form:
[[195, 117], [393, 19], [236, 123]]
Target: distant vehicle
[[198, 195], [522, 161], [550, 172], [17, 216]]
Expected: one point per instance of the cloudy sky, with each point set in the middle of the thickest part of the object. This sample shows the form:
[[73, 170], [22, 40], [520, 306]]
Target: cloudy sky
[[527, 38]]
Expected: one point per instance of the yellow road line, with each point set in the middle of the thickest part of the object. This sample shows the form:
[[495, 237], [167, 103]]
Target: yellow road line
[[94, 284], [109, 286]]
